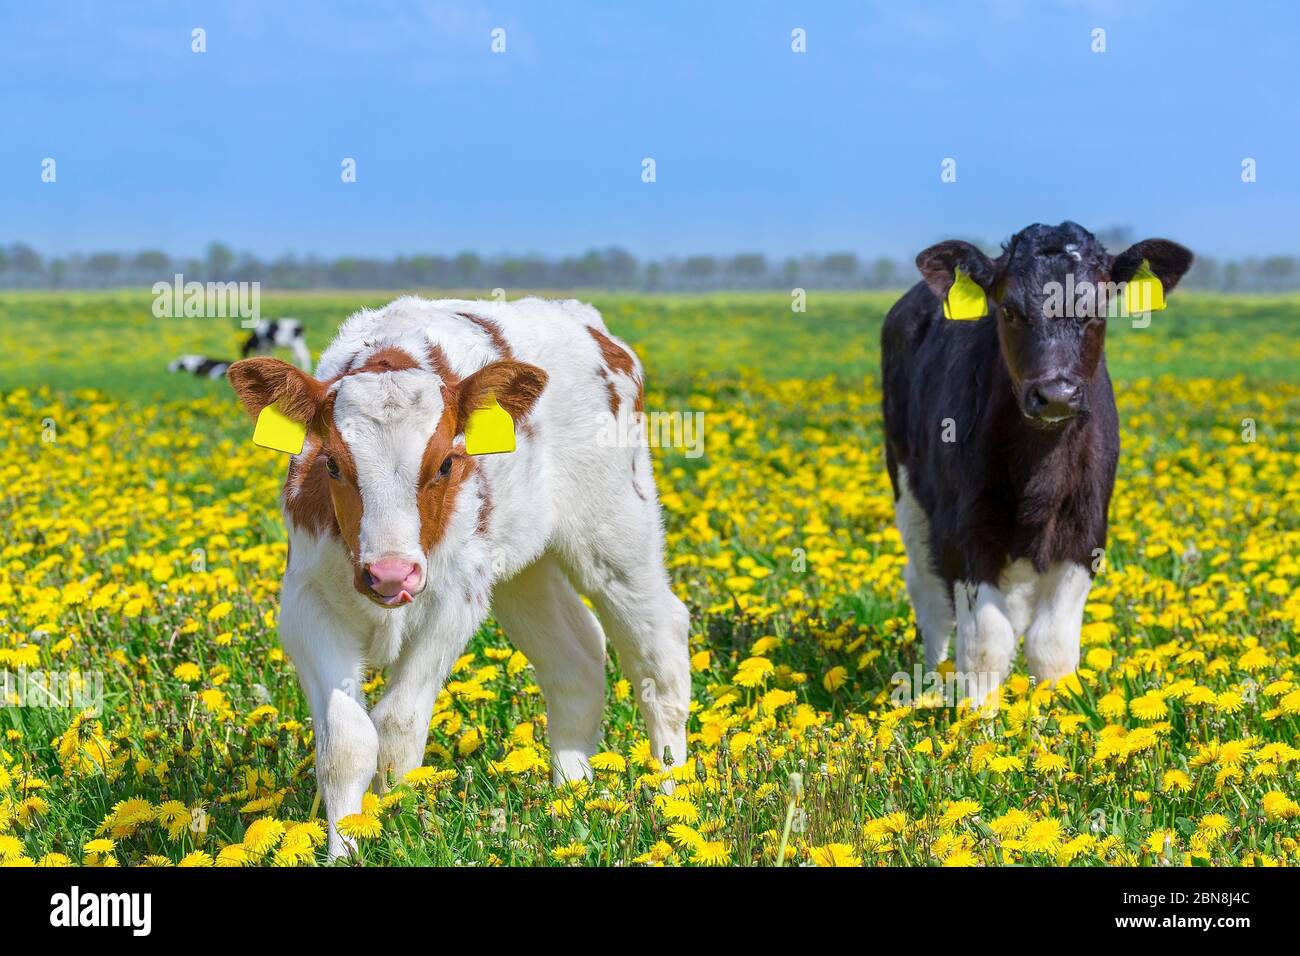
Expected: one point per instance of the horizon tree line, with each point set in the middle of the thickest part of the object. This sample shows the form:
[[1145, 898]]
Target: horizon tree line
[[613, 269]]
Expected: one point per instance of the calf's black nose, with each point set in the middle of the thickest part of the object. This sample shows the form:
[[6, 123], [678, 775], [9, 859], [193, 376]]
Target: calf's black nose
[[1054, 400]]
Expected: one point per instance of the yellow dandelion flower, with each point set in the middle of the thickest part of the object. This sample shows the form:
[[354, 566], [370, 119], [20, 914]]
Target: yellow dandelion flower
[[1048, 762], [1006, 763], [835, 678], [1043, 837], [360, 826], [1278, 806], [835, 854], [1210, 827], [187, 672], [1010, 824], [1150, 706], [607, 761], [262, 836], [710, 853], [572, 851], [956, 811], [218, 611], [684, 836], [1112, 706], [674, 808], [233, 855], [753, 671]]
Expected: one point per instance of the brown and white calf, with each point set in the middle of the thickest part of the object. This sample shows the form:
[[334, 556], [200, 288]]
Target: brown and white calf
[[1002, 439], [401, 543]]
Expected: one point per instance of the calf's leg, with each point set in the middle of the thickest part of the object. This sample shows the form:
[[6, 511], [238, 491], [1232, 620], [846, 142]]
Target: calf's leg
[[650, 630], [623, 574], [1052, 641], [401, 717], [986, 642], [329, 669], [544, 617], [930, 602]]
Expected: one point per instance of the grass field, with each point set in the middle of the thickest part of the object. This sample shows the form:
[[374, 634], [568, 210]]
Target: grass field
[[142, 544]]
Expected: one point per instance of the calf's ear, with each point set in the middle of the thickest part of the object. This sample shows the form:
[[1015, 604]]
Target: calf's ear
[[1168, 260], [260, 382], [516, 386], [938, 265]]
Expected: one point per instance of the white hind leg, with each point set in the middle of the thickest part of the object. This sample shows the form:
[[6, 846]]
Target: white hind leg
[[649, 627], [618, 563], [544, 617], [930, 601]]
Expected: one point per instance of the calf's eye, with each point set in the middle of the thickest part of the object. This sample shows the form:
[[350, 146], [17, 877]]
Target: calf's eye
[[445, 468], [332, 467]]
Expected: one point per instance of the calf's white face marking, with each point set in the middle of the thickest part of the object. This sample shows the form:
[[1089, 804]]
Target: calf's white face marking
[[386, 420]]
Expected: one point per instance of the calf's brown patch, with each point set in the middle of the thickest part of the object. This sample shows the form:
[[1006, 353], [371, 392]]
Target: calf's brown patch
[[436, 495], [494, 334], [390, 358], [615, 359]]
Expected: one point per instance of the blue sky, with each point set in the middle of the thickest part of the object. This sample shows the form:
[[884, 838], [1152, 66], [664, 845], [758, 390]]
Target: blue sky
[[539, 149]]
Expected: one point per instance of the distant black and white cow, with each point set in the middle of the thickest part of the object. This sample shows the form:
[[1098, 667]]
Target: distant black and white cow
[[200, 365], [266, 335], [1002, 439]]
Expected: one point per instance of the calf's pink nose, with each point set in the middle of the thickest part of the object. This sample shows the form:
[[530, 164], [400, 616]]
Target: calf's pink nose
[[392, 575]]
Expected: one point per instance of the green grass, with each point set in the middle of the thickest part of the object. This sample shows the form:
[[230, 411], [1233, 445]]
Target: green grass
[[150, 465]]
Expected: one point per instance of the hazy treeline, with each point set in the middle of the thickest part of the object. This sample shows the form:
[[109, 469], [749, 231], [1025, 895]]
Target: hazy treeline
[[24, 268]]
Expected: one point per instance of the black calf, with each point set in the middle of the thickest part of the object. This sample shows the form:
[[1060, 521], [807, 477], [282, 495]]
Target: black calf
[[1006, 425]]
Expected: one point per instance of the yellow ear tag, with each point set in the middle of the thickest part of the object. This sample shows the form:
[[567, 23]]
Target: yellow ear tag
[[490, 431], [1144, 292], [279, 432], [965, 299]]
